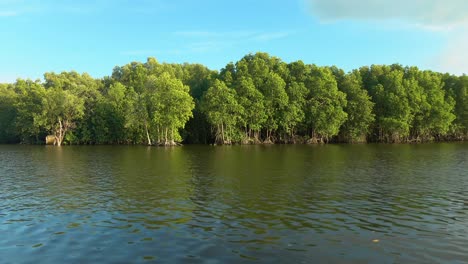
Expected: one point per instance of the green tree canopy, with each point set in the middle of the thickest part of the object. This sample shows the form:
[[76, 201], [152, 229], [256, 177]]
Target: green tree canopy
[[324, 105], [223, 111], [60, 110], [359, 108], [172, 106]]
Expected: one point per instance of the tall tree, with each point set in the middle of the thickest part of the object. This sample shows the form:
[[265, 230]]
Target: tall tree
[[86, 88], [359, 109], [276, 101], [389, 91], [173, 107], [8, 113], [253, 115], [223, 111], [137, 121], [199, 78], [324, 105], [256, 99], [60, 110], [456, 87], [30, 96], [438, 116], [109, 118]]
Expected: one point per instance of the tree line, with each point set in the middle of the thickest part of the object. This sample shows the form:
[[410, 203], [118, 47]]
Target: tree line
[[258, 99]]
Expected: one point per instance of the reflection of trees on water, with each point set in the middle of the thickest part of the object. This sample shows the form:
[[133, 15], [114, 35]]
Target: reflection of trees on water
[[248, 194], [246, 200], [73, 177], [253, 189], [151, 183], [154, 184]]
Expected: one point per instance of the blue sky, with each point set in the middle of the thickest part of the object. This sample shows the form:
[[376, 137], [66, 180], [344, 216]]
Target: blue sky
[[94, 36]]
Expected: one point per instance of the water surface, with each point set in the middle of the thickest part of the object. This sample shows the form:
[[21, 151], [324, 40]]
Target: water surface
[[203, 204]]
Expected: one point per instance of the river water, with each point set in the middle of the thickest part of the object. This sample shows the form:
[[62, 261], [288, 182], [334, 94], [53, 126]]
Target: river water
[[204, 204]]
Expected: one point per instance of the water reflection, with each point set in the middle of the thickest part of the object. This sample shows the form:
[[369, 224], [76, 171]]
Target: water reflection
[[386, 203]]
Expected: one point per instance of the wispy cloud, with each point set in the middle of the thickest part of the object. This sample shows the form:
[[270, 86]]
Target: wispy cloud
[[233, 35], [205, 41], [196, 34], [214, 34], [10, 8], [189, 48], [142, 52], [202, 42], [144, 7], [13, 8], [8, 13], [271, 36], [205, 46]]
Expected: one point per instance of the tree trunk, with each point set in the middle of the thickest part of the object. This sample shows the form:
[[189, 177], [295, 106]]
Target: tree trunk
[[229, 136], [147, 134], [217, 135], [59, 134], [172, 143], [159, 136], [313, 138], [256, 137], [222, 132]]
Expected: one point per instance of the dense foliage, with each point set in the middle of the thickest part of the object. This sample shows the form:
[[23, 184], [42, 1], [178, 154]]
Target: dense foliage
[[259, 99]]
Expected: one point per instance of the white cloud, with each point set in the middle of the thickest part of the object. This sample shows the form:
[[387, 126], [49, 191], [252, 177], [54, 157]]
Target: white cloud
[[428, 14]]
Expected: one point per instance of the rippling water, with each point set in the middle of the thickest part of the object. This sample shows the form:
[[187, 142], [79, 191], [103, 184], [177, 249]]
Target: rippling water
[[201, 204]]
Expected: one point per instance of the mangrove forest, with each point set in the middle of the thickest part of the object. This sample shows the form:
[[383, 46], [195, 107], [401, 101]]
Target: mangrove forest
[[259, 99]]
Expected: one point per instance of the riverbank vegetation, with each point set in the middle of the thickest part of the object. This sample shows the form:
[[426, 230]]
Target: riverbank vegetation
[[259, 99]]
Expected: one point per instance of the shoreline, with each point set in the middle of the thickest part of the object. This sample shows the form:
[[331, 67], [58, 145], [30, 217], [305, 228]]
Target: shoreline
[[256, 144]]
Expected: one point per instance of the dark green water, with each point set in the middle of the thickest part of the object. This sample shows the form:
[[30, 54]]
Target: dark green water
[[202, 204]]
